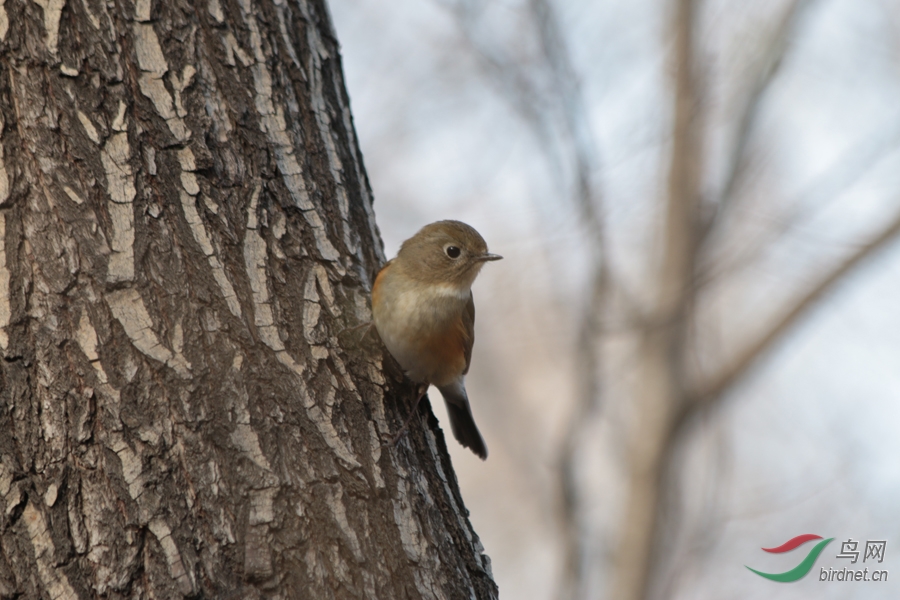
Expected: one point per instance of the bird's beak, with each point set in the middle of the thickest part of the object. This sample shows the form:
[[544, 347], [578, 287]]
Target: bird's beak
[[488, 256]]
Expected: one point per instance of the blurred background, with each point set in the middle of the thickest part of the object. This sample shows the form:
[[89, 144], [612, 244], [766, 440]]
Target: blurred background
[[692, 348]]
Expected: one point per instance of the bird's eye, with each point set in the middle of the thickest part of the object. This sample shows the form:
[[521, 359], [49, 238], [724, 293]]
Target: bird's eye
[[452, 251]]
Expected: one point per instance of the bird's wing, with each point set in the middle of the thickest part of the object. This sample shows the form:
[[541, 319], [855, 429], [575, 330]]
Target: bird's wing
[[468, 327]]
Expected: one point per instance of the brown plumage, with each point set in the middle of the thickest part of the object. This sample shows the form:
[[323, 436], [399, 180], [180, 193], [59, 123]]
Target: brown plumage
[[424, 312]]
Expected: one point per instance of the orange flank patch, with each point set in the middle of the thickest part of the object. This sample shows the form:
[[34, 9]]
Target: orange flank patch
[[376, 287], [446, 353]]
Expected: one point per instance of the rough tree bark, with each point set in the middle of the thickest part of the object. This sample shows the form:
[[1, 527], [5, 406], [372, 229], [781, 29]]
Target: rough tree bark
[[186, 231]]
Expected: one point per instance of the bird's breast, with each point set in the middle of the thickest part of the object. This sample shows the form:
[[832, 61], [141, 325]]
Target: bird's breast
[[422, 327]]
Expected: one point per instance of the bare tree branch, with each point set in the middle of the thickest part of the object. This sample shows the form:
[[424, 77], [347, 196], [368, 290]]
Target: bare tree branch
[[842, 173], [713, 391], [661, 360], [681, 220], [582, 152], [768, 68]]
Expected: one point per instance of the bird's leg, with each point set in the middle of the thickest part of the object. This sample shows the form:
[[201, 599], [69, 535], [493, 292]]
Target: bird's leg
[[423, 387]]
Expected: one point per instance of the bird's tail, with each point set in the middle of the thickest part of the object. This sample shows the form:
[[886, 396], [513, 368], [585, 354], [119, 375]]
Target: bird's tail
[[462, 423]]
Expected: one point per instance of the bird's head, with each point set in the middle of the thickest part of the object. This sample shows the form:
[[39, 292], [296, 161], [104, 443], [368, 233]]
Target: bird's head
[[446, 252]]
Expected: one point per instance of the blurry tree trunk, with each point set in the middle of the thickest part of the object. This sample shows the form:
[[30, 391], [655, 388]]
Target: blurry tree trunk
[[186, 230], [656, 323], [670, 390], [661, 352]]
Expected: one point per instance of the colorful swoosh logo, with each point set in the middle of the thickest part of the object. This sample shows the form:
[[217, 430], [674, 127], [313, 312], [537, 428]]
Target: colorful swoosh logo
[[804, 567]]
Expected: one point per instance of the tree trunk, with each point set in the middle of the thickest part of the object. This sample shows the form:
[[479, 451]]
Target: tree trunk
[[661, 366], [187, 230]]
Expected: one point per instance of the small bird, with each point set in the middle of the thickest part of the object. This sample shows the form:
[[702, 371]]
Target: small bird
[[424, 313]]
